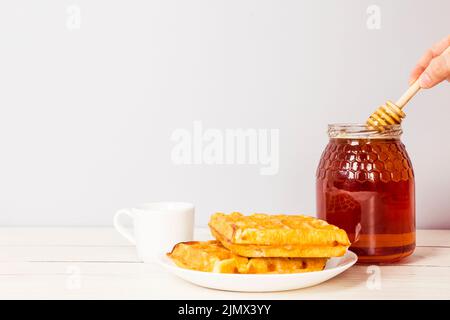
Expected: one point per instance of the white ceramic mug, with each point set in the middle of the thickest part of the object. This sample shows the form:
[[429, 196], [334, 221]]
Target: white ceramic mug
[[157, 226]]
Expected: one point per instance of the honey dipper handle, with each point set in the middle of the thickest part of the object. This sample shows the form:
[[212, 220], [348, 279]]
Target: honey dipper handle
[[412, 90]]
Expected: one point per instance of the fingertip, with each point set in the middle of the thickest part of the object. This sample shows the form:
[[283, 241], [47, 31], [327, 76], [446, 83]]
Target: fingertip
[[425, 81], [415, 74]]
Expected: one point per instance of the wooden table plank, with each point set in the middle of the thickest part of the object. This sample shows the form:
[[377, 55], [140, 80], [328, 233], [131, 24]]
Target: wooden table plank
[[436, 238], [423, 256], [61, 237], [94, 236], [137, 282], [96, 263], [107, 236]]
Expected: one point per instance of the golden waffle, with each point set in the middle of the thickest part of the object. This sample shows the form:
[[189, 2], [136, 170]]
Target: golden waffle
[[262, 235], [211, 256]]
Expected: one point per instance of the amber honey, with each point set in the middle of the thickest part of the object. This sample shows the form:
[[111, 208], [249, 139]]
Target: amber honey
[[365, 185]]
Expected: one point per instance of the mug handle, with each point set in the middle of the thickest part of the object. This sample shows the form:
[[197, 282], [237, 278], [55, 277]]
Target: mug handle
[[120, 228]]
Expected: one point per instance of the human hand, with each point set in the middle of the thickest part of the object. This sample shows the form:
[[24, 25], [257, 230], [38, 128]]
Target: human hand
[[434, 66]]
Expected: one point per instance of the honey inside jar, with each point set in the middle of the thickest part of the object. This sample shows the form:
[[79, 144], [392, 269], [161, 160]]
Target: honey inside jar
[[365, 185]]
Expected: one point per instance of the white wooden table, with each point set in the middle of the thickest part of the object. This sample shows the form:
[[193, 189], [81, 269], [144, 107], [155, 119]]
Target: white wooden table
[[97, 263]]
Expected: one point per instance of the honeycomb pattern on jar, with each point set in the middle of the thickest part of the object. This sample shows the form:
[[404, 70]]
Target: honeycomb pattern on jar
[[387, 161]]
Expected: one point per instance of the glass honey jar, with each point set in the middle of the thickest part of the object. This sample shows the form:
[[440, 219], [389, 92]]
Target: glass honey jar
[[365, 185]]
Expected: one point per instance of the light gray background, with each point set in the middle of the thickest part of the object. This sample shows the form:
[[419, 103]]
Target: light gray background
[[86, 115]]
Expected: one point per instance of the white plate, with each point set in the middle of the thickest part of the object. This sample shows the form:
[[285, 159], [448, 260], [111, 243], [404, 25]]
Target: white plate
[[261, 282]]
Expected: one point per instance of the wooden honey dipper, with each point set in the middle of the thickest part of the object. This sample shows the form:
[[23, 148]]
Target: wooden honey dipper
[[391, 113]]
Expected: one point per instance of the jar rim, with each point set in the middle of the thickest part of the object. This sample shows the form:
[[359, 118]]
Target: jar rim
[[362, 131]]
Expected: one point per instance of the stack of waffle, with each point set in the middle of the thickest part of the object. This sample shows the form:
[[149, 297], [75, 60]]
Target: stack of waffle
[[262, 243]]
